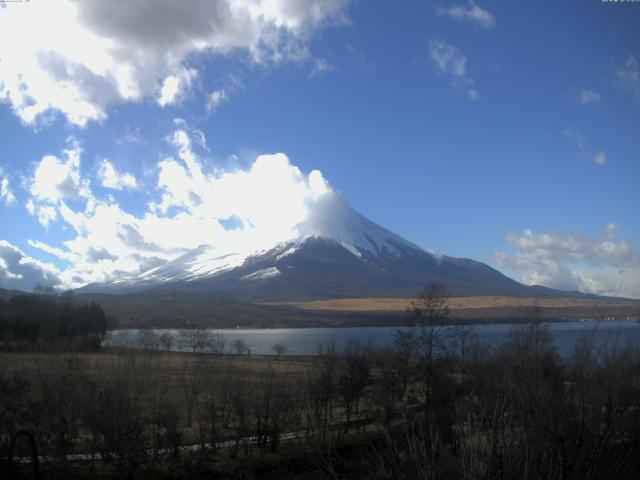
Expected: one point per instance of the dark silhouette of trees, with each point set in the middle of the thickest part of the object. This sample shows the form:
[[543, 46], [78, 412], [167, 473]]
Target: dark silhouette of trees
[[424, 343], [49, 319], [190, 380], [354, 378]]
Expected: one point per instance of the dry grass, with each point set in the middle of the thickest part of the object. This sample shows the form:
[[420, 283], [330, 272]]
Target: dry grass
[[456, 303], [153, 378], [167, 366]]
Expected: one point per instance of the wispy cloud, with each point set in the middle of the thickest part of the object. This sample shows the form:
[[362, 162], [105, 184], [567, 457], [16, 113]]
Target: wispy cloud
[[6, 195], [222, 95], [129, 136], [321, 66], [215, 99], [361, 58], [600, 158], [597, 157], [577, 137], [588, 98], [628, 76], [471, 13], [450, 62]]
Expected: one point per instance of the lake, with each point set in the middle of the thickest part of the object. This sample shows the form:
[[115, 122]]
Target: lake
[[305, 341]]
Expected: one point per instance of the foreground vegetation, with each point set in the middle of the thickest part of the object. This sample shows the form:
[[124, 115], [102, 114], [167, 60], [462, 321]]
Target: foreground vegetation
[[436, 406]]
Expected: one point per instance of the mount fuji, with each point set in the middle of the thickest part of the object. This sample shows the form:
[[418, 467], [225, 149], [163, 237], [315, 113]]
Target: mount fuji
[[334, 253]]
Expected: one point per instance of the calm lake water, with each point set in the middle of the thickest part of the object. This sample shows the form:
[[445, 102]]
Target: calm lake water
[[305, 341]]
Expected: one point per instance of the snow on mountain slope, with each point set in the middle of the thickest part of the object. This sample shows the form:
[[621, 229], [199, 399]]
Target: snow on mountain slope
[[330, 218], [334, 252], [205, 261], [334, 219], [262, 274]]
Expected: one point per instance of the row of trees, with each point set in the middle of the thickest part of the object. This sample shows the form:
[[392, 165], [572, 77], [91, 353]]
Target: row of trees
[[50, 319], [195, 340]]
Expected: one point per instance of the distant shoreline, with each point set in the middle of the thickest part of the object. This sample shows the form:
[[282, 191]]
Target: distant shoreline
[[401, 324]]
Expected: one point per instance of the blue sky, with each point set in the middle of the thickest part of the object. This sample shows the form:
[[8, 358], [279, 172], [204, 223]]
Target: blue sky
[[507, 132]]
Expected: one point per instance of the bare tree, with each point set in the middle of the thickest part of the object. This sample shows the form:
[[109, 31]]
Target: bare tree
[[322, 386], [217, 343], [215, 410], [147, 339], [427, 313], [388, 383], [460, 336], [196, 339], [279, 349], [117, 414], [354, 378], [239, 346], [166, 340], [191, 383], [240, 404], [431, 303]]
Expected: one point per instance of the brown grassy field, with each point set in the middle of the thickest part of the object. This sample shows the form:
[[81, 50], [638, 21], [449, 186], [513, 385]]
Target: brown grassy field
[[458, 303], [168, 376], [112, 361]]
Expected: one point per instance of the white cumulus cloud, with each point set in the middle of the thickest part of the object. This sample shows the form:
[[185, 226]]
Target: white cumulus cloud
[[193, 204], [111, 178], [56, 181], [575, 261], [80, 57], [176, 85]]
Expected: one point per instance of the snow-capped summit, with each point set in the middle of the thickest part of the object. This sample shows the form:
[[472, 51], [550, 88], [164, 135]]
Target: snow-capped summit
[[333, 219]]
